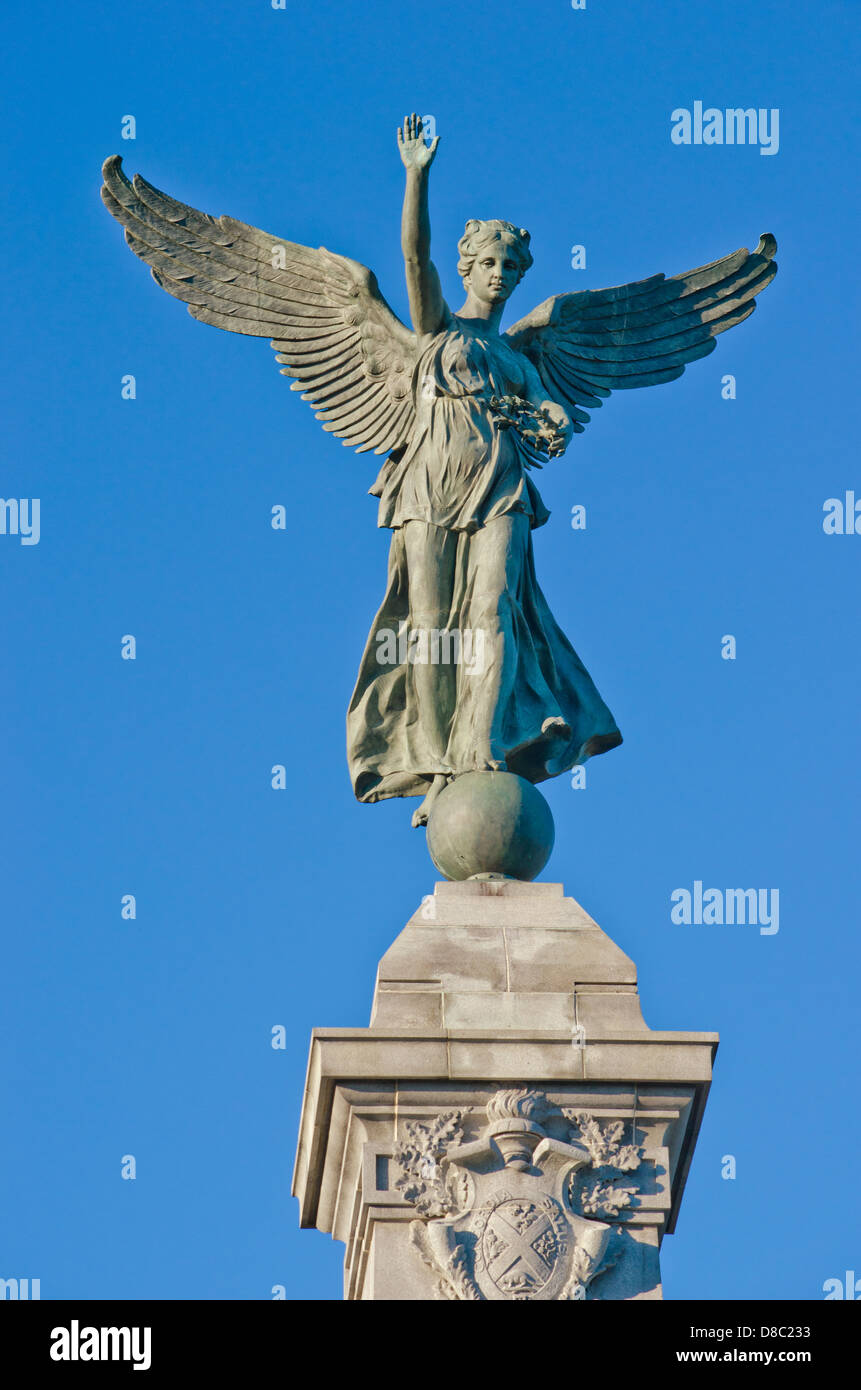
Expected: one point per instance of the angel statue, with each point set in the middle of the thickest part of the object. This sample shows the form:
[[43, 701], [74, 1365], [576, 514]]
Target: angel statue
[[465, 668]]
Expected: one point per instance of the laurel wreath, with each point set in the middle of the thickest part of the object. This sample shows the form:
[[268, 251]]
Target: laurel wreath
[[538, 431]]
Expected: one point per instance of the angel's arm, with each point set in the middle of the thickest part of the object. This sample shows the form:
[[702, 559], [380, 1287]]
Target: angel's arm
[[427, 305]]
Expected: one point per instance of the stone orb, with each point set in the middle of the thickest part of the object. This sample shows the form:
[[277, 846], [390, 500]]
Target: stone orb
[[490, 823]]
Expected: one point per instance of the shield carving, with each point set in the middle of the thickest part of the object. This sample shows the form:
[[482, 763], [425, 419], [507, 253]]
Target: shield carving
[[522, 1249], [500, 1224]]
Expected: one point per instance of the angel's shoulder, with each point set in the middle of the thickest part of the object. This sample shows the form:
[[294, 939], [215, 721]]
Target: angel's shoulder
[[449, 321], [447, 326]]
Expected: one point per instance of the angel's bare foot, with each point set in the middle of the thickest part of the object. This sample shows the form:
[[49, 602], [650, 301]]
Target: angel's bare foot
[[420, 816], [490, 764]]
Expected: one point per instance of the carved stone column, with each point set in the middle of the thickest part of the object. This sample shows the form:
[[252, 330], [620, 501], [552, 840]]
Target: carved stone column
[[508, 1127]]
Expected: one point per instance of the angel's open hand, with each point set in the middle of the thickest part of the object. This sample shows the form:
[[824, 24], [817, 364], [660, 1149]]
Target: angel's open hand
[[411, 143]]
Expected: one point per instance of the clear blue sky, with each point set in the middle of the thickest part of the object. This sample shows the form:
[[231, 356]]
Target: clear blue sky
[[255, 907]]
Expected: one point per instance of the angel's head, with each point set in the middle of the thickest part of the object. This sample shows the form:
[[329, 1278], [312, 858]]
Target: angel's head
[[494, 257]]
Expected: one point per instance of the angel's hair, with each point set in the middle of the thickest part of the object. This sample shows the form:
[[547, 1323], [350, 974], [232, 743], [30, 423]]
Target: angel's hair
[[478, 234]]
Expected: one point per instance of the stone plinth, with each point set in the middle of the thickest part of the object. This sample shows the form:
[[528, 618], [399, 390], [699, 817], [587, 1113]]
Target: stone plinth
[[508, 1127]]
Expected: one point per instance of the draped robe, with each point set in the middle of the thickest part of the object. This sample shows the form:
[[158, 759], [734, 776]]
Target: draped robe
[[461, 469]]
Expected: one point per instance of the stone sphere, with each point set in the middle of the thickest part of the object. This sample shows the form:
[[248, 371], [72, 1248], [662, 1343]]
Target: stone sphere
[[490, 823]]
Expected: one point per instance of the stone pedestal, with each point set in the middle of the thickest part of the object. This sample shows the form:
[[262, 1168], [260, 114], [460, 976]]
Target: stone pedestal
[[508, 1127]]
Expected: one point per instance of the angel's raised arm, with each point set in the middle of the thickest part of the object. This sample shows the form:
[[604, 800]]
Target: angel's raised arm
[[427, 305]]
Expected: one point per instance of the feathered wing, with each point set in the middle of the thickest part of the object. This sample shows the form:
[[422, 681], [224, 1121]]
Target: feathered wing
[[350, 354], [592, 342]]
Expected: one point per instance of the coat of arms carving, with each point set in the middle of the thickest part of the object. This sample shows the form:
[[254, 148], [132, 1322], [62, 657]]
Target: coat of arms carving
[[511, 1214]]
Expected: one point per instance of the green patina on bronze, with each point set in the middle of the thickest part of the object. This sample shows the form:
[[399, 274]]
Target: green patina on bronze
[[465, 668], [490, 824]]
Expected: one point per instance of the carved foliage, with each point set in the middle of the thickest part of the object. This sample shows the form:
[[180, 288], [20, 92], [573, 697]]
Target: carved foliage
[[433, 1190], [598, 1192]]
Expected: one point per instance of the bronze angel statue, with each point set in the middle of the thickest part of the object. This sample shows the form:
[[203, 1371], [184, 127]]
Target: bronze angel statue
[[465, 668]]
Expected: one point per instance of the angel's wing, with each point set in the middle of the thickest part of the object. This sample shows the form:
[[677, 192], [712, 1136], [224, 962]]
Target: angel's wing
[[350, 354], [592, 342]]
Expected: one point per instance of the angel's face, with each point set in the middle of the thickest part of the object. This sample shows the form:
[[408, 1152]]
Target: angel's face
[[494, 273]]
